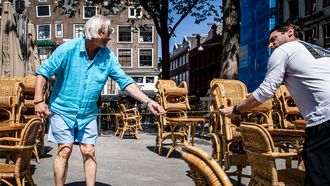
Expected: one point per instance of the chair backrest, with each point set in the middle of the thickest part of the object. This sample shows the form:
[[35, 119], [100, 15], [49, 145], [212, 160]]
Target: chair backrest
[[205, 170], [172, 96], [258, 143], [27, 142]]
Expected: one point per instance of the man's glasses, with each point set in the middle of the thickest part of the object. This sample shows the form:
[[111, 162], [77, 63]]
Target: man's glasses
[[272, 39]]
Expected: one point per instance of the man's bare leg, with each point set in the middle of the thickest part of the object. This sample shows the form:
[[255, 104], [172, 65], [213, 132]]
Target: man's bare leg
[[88, 153], [61, 163]]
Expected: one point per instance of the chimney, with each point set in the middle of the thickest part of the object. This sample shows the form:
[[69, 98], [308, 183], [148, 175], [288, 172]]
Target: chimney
[[214, 30]]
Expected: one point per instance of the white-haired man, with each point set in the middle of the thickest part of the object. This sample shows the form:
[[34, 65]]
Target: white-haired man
[[82, 67]]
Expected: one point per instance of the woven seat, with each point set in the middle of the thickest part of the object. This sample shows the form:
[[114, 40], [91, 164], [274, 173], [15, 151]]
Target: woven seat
[[205, 170], [21, 153], [262, 157]]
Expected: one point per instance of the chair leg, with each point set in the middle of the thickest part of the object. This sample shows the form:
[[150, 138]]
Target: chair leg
[[35, 152], [30, 179], [18, 181]]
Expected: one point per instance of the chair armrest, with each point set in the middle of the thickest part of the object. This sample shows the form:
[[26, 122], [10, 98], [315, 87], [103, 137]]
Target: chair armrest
[[283, 155], [9, 139]]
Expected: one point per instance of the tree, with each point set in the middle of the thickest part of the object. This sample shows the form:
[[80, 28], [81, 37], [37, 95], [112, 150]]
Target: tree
[[230, 39], [160, 12]]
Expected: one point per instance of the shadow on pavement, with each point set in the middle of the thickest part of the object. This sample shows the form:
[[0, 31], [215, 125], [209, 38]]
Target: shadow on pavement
[[82, 183]]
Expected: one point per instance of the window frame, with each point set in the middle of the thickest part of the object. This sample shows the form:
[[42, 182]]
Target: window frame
[[55, 30], [89, 7], [73, 29], [152, 35], [135, 11], [118, 26], [37, 12], [50, 32], [152, 57], [131, 56]]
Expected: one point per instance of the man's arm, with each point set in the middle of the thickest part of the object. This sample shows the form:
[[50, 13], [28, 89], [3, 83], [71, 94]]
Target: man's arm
[[136, 93], [40, 107], [246, 105]]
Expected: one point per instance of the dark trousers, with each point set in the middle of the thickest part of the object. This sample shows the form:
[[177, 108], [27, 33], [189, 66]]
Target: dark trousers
[[316, 155]]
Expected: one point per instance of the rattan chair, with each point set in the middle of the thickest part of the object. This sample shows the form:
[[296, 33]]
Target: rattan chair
[[262, 155], [129, 122], [205, 170], [174, 100], [290, 115], [11, 99], [21, 152]]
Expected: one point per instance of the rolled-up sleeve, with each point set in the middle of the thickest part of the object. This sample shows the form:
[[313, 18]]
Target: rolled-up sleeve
[[274, 76], [53, 63], [118, 74]]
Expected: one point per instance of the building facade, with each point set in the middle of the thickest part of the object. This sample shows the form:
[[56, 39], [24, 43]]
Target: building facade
[[259, 17], [197, 61], [134, 40]]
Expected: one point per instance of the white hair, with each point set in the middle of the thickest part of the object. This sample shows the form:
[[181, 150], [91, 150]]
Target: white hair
[[95, 24]]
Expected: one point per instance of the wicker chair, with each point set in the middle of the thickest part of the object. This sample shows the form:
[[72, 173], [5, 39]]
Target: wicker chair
[[290, 115], [205, 170], [21, 152], [174, 100], [129, 122], [226, 141], [262, 157], [11, 99], [28, 94]]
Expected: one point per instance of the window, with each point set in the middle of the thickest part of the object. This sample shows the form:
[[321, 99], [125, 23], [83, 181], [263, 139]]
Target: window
[[43, 32], [326, 3], [111, 87], [44, 52], [150, 80], [294, 11], [146, 34], [78, 31], [134, 12], [58, 30], [43, 11], [138, 79], [124, 34], [125, 57], [145, 57], [89, 11], [326, 36], [42, 0], [310, 7], [310, 35]]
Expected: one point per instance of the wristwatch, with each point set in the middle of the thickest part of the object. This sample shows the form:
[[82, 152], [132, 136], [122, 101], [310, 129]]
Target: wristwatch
[[236, 111]]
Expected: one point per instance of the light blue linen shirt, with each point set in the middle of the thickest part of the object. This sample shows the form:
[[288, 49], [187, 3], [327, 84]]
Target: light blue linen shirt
[[79, 82]]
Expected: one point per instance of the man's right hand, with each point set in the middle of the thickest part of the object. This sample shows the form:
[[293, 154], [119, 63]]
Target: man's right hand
[[41, 110]]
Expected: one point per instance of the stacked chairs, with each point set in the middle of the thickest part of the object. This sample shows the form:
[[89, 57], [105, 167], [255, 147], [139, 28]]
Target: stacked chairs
[[174, 100], [226, 141], [129, 122], [204, 169], [262, 156], [290, 115], [11, 99]]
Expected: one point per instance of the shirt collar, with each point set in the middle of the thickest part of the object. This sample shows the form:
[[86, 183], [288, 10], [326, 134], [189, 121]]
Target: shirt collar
[[100, 53]]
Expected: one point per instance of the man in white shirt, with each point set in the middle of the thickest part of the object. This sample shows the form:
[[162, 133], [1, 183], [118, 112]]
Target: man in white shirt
[[305, 70]]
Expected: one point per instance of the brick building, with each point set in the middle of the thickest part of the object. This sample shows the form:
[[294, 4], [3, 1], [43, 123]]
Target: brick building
[[135, 44]]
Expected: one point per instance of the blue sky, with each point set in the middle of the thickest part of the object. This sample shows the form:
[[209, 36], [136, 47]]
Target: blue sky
[[186, 28]]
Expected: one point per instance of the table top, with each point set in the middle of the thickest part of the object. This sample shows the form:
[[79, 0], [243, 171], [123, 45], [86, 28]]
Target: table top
[[286, 132], [11, 126], [190, 119]]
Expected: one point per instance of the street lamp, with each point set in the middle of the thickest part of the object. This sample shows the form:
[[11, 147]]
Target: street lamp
[[201, 48]]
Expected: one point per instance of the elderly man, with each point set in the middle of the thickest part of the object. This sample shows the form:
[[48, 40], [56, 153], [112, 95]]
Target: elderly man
[[81, 67]]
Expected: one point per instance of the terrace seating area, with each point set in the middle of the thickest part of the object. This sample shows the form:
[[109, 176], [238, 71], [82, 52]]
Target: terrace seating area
[[276, 124]]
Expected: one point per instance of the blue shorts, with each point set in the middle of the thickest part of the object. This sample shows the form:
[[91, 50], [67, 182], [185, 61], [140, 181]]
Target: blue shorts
[[60, 132]]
